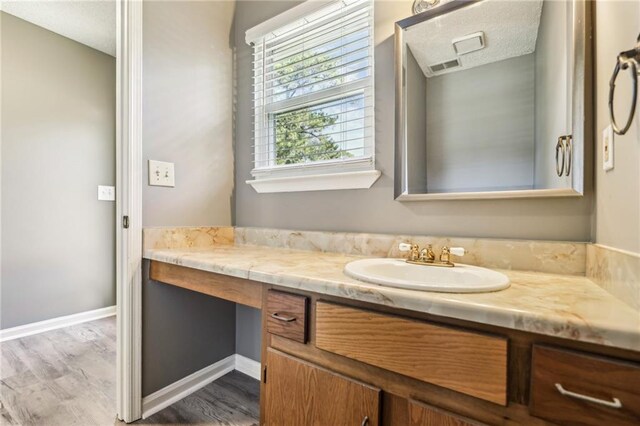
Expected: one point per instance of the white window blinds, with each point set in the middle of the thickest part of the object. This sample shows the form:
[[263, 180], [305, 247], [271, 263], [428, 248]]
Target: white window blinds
[[313, 91]]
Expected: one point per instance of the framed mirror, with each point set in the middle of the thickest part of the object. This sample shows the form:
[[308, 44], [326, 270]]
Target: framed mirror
[[493, 100]]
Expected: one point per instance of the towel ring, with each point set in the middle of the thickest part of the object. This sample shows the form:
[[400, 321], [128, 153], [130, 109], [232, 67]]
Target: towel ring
[[568, 140], [626, 60], [564, 147], [560, 147]]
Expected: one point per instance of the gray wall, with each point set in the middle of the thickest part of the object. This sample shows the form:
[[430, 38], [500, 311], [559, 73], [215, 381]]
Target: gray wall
[[552, 93], [248, 331], [58, 145], [416, 125], [182, 332], [618, 198], [480, 128], [187, 106], [375, 209], [187, 120]]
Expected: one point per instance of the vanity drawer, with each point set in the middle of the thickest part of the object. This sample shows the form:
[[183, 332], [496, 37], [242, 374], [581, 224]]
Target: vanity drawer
[[287, 315], [471, 363], [563, 382]]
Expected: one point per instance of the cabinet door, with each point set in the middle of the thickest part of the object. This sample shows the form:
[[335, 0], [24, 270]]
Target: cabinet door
[[425, 415], [299, 394]]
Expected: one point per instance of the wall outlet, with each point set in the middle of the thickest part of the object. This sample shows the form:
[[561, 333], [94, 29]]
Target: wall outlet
[[161, 174], [607, 148], [106, 193]]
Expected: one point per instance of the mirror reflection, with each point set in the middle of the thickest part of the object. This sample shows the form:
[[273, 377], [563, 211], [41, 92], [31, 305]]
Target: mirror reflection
[[487, 98]]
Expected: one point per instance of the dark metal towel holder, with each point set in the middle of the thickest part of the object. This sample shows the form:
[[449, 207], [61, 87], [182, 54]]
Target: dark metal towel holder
[[630, 60]]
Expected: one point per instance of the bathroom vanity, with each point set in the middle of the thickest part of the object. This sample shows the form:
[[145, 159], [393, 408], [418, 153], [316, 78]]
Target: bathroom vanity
[[551, 349]]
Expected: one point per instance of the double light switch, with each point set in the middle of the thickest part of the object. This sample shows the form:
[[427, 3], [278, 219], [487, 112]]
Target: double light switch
[[161, 174], [106, 193]]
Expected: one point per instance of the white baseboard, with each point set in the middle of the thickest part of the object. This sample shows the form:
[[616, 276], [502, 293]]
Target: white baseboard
[[184, 387], [176, 391], [54, 323], [248, 366]]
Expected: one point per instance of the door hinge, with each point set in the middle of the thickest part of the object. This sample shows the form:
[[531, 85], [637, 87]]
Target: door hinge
[[264, 374], [125, 222]]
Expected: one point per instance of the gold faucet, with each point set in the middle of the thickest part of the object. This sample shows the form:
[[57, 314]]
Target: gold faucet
[[427, 257]]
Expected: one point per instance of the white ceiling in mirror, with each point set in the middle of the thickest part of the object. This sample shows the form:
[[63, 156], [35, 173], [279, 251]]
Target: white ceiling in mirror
[[510, 29], [92, 23]]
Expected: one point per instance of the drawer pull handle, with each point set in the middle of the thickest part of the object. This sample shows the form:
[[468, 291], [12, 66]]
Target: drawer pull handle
[[612, 404], [282, 318], [365, 421]]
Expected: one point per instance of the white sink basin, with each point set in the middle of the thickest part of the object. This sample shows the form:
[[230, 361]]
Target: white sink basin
[[398, 273]]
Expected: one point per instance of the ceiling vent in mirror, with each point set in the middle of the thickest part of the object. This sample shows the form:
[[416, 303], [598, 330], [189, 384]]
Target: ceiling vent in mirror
[[436, 68], [469, 43]]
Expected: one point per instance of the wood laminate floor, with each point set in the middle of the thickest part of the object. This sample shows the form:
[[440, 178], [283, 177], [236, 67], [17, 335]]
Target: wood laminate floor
[[231, 400], [67, 377], [61, 377]]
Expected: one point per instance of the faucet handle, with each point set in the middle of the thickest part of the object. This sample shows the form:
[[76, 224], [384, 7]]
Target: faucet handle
[[457, 251], [404, 247], [413, 249], [445, 256]]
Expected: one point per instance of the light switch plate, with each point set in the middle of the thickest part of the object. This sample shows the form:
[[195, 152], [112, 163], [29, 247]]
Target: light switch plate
[[106, 193], [161, 174], [607, 148]]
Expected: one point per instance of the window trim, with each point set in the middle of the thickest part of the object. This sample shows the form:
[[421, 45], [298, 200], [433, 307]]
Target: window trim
[[355, 173], [316, 182]]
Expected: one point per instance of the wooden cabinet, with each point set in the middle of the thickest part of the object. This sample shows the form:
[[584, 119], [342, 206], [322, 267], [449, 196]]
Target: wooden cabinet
[[299, 393], [425, 415], [398, 411], [573, 388], [356, 364]]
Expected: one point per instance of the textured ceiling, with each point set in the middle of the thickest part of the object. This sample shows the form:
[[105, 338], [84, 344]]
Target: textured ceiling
[[92, 23], [510, 28]]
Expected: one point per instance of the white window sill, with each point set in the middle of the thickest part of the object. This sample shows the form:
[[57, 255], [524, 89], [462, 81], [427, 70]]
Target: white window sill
[[319, 182]]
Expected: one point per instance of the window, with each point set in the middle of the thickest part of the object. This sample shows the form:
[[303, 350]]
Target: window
[[313, 98]]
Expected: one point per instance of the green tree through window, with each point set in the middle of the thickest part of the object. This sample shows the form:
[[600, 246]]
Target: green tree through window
[[300, 135]]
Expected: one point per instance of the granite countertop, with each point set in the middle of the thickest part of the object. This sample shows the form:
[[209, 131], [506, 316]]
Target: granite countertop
[[565, 306]]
